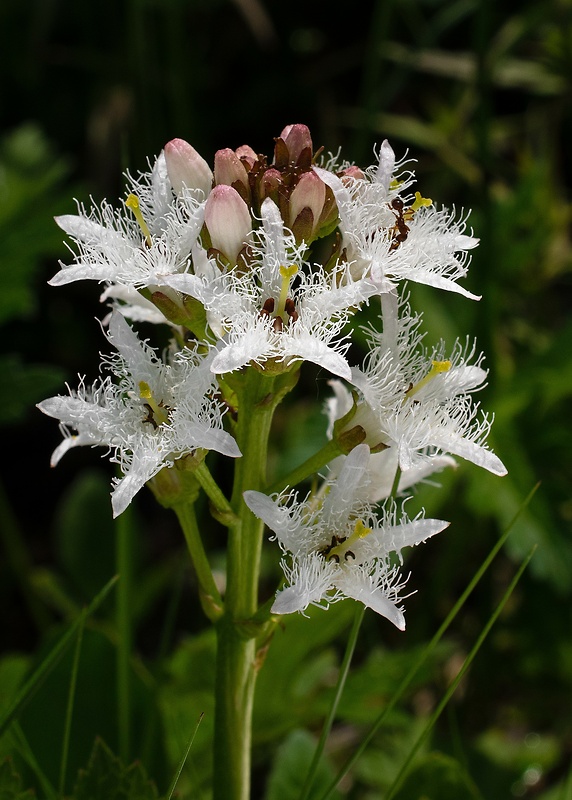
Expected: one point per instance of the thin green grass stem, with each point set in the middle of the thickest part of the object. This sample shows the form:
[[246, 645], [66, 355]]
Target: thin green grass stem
[[40, 674], [124, 621], [27, 754], [69, 709], [402, 688], [343, 674], [450, 691], [183, 760]]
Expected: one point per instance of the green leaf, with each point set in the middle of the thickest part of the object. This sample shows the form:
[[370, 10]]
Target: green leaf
[[291, 767], [106, 778], [518, 753], [438, 777], [11, 783], [85, 532], [30, 177]]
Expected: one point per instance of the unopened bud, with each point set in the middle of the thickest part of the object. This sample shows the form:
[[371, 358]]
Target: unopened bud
[[270, 184], [293, 147], [228, 221], [186, 167], [247, 155], [229, 170], [306, 205], [177, 484], [352, 172]]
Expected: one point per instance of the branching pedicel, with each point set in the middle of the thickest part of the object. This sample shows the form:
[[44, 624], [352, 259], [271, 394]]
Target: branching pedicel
[[226, 260]]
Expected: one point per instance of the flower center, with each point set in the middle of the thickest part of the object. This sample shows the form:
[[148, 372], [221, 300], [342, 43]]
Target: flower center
[[340, 545], [436, 368], [283, 311], [157, 413]]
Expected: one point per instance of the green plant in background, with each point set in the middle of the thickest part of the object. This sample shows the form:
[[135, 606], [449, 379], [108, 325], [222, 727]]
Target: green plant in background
[[31, 178]]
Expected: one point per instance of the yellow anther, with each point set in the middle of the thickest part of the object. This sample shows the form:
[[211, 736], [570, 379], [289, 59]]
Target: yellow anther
[[419, 202], [145, 391], [395, 184], [289, 272], [436, 368], [132, 204], [360, 530]]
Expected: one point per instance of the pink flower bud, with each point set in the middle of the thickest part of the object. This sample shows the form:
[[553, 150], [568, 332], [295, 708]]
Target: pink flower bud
[[352, 172], [186, 167], [229, 170], [228, 221], [271, 182], [310, 193], [247, 154], [294, 147]]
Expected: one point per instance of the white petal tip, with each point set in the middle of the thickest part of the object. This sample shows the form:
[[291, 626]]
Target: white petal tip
[[287, 602]]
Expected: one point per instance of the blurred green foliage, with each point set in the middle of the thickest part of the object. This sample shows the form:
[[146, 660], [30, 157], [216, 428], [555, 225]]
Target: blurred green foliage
[[480, 95]]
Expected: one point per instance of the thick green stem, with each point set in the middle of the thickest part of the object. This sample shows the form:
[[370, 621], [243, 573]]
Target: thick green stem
[[258, 396]]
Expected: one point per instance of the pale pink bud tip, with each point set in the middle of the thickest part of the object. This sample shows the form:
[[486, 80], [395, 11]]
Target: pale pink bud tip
[[352, 172], [294, 147], [229, 170], [228, 221], [186, 168], [309, 192], [247, 154]]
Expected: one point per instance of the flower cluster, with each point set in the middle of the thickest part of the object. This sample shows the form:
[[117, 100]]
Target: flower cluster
[[225, 257]]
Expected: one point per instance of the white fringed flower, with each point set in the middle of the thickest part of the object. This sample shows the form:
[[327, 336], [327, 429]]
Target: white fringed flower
[[155, 413], [139, 244], [339, 548], [275, 309], [419, 403], [390, 236]]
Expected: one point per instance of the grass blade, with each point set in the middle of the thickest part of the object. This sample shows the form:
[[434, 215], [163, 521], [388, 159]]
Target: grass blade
[[124, 605], [183, 760], [69, 709], [35, 681], [450, 691], [27, 754]]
